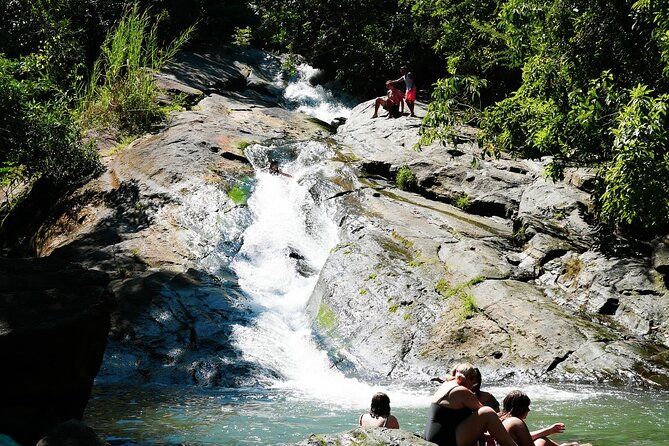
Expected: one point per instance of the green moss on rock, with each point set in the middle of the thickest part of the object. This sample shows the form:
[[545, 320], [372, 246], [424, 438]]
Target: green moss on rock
[[326, 318]]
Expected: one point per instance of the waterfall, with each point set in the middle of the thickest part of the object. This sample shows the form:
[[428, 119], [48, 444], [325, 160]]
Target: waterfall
[[275, 247], [283, 250], [315, 100]]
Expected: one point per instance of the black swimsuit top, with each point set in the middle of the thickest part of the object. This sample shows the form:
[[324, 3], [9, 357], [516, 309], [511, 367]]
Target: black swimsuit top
[[442, 422]]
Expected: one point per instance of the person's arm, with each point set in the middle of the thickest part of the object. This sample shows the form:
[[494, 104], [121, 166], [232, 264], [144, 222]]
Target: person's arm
[[557, 428], [467, 398], [397, 81]]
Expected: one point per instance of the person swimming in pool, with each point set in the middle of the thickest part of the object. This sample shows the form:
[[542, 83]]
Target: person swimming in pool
[[379, 413]]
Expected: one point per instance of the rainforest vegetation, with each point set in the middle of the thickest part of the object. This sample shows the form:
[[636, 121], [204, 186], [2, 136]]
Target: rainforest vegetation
[[583, 82]]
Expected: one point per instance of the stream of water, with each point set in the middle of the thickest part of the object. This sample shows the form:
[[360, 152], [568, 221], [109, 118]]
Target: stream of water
[[284, 247]]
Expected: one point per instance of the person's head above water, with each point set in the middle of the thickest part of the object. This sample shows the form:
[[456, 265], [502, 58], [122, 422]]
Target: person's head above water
[[380, 405], [515, 404], [273, 166]]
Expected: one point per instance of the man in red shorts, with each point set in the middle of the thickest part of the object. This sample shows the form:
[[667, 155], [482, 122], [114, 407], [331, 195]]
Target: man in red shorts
[[410, 84]]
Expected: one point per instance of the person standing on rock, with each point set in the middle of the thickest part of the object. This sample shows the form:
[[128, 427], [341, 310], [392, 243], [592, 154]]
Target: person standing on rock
[[457, 418], [379, 413], [390, 102], [515, 408], [410, 88]]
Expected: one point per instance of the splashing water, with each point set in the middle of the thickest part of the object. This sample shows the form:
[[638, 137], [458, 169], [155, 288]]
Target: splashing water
[[315, 101], [284, 249]]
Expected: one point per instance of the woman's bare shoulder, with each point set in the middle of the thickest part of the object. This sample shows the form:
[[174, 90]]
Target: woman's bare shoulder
[[513, 422]]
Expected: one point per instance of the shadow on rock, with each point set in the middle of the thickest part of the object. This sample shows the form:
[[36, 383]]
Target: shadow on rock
[[177, 328]]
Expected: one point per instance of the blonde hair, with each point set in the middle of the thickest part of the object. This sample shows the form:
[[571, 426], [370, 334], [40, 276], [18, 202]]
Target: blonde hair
[[462, 371]]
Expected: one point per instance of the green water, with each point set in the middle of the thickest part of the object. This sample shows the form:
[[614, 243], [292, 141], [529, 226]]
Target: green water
[[171, 415]]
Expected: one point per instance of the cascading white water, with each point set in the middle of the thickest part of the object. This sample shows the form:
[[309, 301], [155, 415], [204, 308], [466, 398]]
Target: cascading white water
[[288, 227], [284, 248], [287, 235], [315, 100]]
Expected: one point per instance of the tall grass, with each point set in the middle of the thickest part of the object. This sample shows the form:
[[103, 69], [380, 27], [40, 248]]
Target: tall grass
[[121, 93]]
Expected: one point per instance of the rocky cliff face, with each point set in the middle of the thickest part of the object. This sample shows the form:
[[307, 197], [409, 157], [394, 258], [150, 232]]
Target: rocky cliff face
[[487, 262], [160, 217]]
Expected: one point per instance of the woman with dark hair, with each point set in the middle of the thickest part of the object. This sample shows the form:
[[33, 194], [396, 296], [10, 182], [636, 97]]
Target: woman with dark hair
[[379, 413], [457, 417], [515, 408], [487, 399]]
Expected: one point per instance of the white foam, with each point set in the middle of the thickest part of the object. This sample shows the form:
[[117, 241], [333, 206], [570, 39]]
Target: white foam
[[314, 100]]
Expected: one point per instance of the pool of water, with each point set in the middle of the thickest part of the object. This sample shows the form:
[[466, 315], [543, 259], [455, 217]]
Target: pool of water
[[180, 415]]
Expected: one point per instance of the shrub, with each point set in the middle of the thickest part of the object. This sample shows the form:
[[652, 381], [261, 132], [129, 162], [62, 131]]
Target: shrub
[[463, 201], [121, 92], [242, 36], [637, 181], [405, 179], [40, 138]]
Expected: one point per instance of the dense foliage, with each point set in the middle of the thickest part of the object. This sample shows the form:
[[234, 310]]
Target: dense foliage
[[46, 54], [40, 138], [584, 82], [361, 43], [591, 91]]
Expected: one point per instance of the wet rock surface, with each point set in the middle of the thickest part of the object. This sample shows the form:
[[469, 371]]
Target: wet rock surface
[[366, 437], [161, 218]]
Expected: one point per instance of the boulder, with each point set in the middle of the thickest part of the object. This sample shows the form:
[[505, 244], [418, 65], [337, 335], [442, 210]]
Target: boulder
[[54, 323], [519, 280], [72, 433], [558, 209], [661, 256], [366, 437], [219, 71]]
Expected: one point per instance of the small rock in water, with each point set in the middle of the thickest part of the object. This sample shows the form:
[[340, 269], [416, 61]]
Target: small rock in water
[[336, 122]]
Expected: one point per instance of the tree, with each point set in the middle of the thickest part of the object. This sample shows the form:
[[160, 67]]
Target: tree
[[588, 67]]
